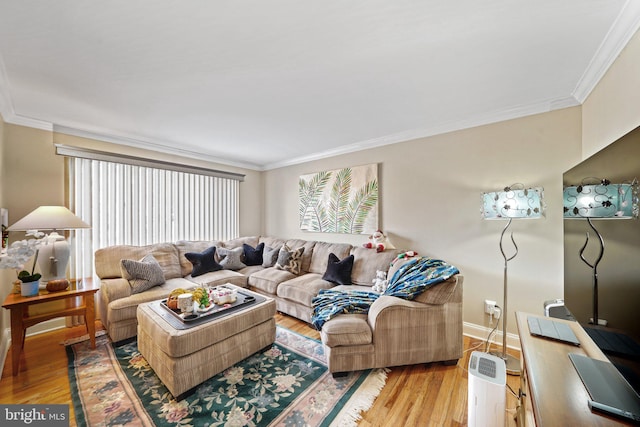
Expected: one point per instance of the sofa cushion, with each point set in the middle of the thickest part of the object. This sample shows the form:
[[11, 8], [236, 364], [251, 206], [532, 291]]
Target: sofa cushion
[[274, 242], [338, 271], [367, 261], [231, 259], [184, 246], [143, 274], [267, 280], [124, 309], [270, 256], [321, 251], [346, 330], [302, 289], [107, 260], [252, 256], [220, 277], [250, 269], [237, 243], [290, 259]]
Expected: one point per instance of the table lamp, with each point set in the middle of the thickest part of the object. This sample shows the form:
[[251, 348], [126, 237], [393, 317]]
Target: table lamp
[[54, 250], [513, 202], [599, 200]]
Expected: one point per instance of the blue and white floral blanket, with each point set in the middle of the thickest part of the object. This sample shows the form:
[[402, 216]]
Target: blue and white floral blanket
[[409, 281]]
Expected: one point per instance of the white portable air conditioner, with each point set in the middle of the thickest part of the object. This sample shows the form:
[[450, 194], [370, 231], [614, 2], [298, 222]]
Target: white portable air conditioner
[[487, 390]]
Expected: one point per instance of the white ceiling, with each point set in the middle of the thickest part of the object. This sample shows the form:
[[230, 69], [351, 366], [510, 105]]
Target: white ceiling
[[263, 84]]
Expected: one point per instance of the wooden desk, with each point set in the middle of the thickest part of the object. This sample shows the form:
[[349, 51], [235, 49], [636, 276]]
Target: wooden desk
[[555, 395], [78, 298]]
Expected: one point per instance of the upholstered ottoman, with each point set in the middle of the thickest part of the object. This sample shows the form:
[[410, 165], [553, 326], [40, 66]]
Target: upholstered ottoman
[[184, 358]]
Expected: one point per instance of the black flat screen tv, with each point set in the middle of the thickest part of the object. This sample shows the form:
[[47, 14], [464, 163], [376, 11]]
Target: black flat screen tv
[[619, 269]]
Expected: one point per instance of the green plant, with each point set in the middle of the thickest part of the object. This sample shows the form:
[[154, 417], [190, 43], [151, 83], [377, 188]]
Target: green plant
[[25, 277]]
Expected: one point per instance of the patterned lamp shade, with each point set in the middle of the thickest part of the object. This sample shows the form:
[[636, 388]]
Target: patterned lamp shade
[[601, 201], [514, 202]]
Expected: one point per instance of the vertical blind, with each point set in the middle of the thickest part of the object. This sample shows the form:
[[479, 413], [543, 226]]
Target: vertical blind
[[137, 205]]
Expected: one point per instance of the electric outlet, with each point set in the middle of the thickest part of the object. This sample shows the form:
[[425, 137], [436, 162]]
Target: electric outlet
[[489, 307]]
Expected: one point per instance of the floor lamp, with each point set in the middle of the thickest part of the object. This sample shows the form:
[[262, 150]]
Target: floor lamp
[[601, 200], [514, 202]]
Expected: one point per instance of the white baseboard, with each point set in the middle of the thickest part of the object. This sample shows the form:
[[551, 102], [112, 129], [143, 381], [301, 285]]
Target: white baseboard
[[5, 342], [482, 332]]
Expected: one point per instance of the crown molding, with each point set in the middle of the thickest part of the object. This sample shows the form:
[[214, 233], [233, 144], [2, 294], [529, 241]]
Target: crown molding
[[15, 119], [619, 35], [150, 145], [438, 129]]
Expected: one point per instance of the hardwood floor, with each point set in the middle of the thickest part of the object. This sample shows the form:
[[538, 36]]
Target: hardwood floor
[[419, 395]]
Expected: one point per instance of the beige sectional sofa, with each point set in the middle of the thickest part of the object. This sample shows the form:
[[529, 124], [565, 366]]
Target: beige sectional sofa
[[395, 332]]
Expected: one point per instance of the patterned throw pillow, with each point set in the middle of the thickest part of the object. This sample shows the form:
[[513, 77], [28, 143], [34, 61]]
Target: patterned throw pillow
[[290, 260], [339, 272], [143, 274], [270, 256], [253, 256], [231, 258], [203, 262]]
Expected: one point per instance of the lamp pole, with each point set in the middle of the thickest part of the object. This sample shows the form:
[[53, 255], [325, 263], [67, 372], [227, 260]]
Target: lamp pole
[[512, 364], [594, 267]]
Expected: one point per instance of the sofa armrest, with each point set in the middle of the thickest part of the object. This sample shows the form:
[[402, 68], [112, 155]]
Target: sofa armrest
[[114, 289], [407, 332], [447, 293], [385, 305]]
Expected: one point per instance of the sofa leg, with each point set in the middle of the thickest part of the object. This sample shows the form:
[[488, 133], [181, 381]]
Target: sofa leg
[[337, 375], [451, 362]]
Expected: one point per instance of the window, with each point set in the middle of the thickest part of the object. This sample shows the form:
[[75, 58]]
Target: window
[[130, 204]]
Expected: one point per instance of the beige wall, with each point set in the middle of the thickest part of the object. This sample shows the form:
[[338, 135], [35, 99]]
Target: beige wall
[[613, 107], [430, 202]]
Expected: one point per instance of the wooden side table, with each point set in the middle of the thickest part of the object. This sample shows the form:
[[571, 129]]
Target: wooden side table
[[79, 299]]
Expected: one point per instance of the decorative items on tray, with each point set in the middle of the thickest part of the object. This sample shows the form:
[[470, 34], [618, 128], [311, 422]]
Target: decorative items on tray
[[200, 299]]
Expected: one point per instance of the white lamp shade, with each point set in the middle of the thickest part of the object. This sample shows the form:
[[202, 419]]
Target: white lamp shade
[[49, 218], [522, 203]]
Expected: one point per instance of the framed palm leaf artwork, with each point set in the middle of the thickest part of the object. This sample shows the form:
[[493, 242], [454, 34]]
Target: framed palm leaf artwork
[[340, 200]]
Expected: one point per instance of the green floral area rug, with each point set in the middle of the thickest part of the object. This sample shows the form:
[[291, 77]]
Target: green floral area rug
[[288, 384]]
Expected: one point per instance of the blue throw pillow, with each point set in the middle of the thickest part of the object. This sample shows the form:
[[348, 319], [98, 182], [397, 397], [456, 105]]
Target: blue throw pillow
[[253, 256], [204, 262], [339, 272]]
